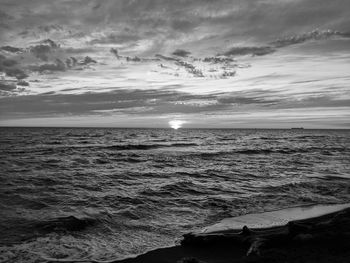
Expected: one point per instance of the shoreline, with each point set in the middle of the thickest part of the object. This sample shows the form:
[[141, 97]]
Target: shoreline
[[320, 237]]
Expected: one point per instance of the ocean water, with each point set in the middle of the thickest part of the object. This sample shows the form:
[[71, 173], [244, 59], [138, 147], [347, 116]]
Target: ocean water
[[105, 194]]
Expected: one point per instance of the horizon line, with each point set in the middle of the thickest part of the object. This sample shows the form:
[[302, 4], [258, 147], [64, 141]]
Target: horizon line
[[169, 128]]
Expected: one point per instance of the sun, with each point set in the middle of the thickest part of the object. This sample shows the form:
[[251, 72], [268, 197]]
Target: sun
[[176, 124]]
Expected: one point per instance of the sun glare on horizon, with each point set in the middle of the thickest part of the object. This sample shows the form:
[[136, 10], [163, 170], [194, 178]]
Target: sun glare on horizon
[[176, 124]]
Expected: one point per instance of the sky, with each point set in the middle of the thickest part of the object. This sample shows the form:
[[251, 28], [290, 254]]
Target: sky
[[188, 63]]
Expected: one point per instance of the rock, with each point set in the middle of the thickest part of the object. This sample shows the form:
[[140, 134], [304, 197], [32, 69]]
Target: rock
[[303, 237], [190, 260]]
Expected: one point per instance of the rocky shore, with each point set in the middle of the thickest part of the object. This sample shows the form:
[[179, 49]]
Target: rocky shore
[[323, 238]]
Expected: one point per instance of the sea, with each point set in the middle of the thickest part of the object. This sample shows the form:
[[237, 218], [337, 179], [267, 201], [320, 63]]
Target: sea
[[105, 194]]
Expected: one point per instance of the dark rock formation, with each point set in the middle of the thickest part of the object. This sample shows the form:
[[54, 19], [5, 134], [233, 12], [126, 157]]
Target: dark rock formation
[[320, 240]]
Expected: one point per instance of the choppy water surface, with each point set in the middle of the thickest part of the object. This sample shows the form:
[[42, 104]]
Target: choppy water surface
[[131, 190]]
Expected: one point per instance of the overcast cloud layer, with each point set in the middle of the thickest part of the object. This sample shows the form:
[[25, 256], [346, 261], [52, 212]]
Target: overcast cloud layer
[[143, 63]]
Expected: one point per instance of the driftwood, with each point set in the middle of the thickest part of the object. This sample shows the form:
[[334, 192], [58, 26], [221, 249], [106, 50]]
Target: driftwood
[[335, 225]]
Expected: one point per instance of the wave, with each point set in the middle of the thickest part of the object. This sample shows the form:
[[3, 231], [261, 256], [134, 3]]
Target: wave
[[63, 149], [18, 230], [177, 189], [148, 146], [116, 195], [321, 150], [69, 223], [18, 200], [312, 136], [316, 191]]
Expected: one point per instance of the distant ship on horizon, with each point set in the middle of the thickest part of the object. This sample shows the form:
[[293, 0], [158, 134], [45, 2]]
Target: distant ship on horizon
[[297, 128]]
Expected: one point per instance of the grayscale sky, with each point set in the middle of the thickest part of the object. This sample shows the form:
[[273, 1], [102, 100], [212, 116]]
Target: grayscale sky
[[202, 63]]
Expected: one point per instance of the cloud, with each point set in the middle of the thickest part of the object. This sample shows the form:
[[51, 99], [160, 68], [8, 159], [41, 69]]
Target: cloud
[[313, 35], [232, 16], [50, 28], [187, 65], [77, 50], [45, 47], [57, 66], [190, 68], [5, 19], [255, 51], [15, 72], [181, 53], [11, 49], [115, 38], [21, 62], [9, 67], [60, 37], [257, 97], [219, 60], [23, 83], [97, 6], [7, 86], [129, 101], [316, 100], [135, 103], [284, 42], [86, 61], [123, 100], [8, 62], [115, 52], [168, 24], [160, 56]]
